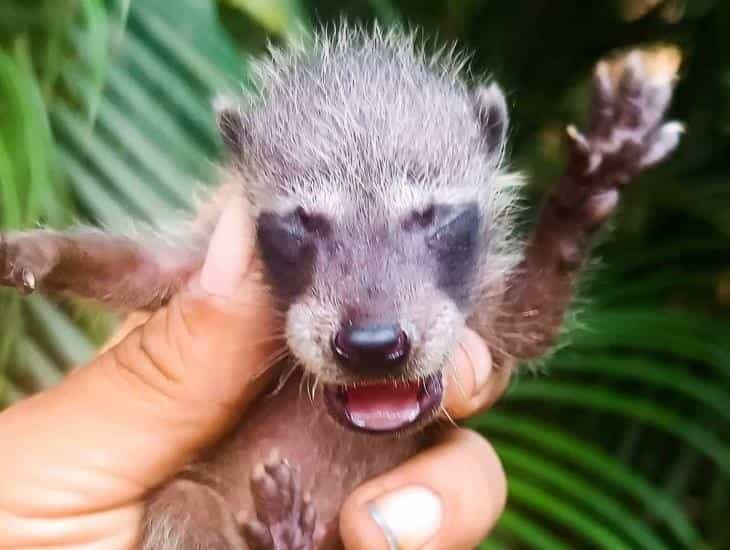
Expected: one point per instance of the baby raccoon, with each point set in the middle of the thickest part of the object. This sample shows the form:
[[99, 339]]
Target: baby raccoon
[[384, 218]]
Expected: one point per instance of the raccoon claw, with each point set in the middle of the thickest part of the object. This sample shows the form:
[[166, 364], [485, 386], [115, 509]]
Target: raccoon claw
[[19, 267], [22, 264], [28, 278], [661, 144], [626, 134], [285, 519]]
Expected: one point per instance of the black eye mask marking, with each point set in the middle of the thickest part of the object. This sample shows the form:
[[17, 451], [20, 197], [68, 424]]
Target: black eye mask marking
[[288, 249], [420, 218], [456, 244]]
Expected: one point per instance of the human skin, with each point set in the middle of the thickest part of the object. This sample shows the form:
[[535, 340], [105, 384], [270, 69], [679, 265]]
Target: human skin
[[79, 458]]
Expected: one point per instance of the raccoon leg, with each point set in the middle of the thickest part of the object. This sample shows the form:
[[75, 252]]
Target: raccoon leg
[[114, 270], [285, 518], [187, 515], [627, 134]]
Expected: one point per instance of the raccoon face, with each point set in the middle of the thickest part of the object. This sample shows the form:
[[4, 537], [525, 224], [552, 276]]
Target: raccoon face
[[374, 305], [371, 176]]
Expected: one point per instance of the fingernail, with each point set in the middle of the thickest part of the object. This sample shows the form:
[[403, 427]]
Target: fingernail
[[229, 252], [408, 517]]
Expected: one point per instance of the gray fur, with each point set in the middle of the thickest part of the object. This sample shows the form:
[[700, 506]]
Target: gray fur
[[366, 128]]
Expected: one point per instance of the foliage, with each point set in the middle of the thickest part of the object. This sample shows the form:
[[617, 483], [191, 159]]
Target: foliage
[[618, 440]]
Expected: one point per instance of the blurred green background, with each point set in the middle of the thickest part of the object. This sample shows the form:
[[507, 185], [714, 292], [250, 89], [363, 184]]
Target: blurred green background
[[620, 439]]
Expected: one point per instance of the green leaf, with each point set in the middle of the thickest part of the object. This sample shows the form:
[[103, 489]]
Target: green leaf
[[707, 394], [96, 40], [139, 59], [276, 16], [547, 504], [152, 114], [535, 467], [38, 365], [208, 73], [386, 12], [602, 399], [63, 337], [104, 205], [584, 456], [529, 532], [685, 336], [127, 183]]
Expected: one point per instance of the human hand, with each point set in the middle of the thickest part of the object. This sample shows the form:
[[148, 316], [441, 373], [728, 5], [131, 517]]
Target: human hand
[[79, 458]]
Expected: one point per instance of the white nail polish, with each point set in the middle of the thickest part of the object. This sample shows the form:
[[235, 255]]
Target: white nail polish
[[408, 517]]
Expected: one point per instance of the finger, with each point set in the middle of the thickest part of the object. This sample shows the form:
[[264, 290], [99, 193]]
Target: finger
[[147, 405], [449, 496], [473, 382]]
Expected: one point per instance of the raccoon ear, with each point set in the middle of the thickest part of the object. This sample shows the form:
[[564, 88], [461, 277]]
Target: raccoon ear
[[491, 111], [231, 124]]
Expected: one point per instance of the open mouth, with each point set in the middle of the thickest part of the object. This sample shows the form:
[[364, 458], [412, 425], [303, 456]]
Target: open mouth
[[384, 407]]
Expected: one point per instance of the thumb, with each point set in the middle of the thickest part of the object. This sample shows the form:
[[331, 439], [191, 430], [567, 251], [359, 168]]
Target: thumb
[[148, 404]]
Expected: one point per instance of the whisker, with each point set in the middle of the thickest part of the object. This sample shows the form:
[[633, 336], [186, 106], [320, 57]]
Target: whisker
[[273, 335], [314, 387], [310, 382], [306, 381], [448, 416], [310, 385], [302, 382], [273, 359], [456, 377], [279, 352], [283, 379]]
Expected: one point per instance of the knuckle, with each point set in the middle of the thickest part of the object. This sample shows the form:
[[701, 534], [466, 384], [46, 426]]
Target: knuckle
[[142, 359], [178, 329]]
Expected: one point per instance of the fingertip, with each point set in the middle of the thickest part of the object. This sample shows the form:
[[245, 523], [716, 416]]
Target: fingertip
[[495, 478], [380, 517], [472, 380], [448, 496], [230, 250], [477, 490]]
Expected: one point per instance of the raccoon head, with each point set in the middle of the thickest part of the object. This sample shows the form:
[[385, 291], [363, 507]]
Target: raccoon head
[[382, 217]]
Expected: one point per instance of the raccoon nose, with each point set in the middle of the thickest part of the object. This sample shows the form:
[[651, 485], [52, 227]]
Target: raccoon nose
[[371, 349]]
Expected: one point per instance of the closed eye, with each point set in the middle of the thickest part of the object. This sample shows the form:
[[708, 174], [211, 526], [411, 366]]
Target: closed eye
[[420, 218], [459, 231], [313, 222], [455, 244]]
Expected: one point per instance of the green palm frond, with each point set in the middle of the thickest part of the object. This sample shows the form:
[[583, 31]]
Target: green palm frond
[[32, 190]]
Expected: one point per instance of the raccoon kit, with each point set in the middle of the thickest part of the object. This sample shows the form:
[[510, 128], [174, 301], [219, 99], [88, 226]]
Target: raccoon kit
[[384, 217]]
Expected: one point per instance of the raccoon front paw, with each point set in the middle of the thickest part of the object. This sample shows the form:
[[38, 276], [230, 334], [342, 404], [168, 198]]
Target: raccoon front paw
[[26, 259], [285, 517], [629, 100]]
